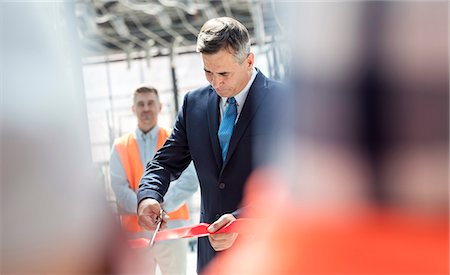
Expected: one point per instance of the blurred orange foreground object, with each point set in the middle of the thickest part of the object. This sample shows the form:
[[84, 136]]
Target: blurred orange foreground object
[[138, 243], [327, 241]]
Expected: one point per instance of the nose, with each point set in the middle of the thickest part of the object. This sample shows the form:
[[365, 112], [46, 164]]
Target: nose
[[217, 81]]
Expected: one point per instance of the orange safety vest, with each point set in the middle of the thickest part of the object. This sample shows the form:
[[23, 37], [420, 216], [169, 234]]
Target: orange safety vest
[[128, 151]]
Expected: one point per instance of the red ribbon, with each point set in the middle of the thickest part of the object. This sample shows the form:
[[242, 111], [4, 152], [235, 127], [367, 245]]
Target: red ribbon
[[241, 226]]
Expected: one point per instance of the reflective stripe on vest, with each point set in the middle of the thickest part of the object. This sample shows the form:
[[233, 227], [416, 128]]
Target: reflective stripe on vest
[[127, 148]]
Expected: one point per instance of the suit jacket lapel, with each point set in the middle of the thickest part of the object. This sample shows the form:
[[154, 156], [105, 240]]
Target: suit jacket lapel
[[254, 98], [213, 123]]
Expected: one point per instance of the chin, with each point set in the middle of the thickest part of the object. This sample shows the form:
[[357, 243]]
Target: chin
[[224, 93]]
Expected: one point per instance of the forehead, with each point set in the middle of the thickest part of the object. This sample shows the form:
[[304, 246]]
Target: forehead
[[143, 97], [221, 61]]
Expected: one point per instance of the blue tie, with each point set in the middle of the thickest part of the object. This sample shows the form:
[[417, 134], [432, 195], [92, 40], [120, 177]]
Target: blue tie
[[227, 125]]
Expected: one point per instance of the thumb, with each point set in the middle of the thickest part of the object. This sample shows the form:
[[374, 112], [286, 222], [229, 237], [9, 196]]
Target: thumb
[[223, 220]]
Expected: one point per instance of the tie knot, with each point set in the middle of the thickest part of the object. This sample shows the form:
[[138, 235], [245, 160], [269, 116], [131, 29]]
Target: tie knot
[[231, 100]]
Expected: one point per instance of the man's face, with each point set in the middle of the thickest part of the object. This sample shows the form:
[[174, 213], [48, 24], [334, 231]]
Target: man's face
[[146, 107], [227, 76]]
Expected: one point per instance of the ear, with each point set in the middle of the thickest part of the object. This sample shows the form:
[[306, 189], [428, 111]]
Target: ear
[[133, 109], [250, 60]]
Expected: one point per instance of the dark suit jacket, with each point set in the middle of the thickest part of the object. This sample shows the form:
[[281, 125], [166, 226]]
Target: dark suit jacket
[[195, 137]]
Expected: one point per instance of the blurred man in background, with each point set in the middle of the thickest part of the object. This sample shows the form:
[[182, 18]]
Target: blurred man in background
[[129, 156]]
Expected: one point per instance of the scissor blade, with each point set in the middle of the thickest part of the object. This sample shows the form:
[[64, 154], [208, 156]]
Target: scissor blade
[[154, 234], [158, 226]]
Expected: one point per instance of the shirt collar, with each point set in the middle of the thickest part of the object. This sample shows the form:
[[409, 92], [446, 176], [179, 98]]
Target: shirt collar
[[150, 134]]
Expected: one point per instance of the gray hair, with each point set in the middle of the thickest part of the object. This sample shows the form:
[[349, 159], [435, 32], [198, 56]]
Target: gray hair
[[224, 33]]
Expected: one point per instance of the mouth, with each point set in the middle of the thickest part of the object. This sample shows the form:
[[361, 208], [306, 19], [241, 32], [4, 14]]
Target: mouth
[[221, 90], [145, 116]]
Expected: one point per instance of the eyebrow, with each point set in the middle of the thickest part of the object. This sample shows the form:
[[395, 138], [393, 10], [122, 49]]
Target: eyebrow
[[145, 101], [221, 73]]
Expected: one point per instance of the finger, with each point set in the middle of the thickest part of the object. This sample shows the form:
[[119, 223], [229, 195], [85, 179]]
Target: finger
[[166, 216], [161, 218], [219, 245], [216, 243], [223, 220], [146, 222], [221, 236], [164, 224], [222, 244]]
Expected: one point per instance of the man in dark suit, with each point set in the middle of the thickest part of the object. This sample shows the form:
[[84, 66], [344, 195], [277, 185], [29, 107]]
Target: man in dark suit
[[225, 128]]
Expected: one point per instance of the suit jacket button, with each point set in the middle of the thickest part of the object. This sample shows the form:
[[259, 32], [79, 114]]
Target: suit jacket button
[[221, 185], [217, 216]]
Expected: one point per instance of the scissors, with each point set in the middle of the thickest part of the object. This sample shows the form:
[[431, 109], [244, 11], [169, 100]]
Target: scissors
[[158, 222]]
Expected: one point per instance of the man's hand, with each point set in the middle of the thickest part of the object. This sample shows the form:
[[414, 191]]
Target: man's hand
[[222, 241], [148, 211]]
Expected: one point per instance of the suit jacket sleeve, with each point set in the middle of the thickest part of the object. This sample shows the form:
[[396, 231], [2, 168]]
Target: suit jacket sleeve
[[169, 162]]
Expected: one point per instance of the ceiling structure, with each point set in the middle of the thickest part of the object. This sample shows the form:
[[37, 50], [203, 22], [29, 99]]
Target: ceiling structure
[[147, 28]]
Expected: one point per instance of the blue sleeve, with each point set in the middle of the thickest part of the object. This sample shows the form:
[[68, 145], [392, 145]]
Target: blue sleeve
[[125, 196]]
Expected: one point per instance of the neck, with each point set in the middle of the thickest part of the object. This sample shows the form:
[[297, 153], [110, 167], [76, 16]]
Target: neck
[[145, 129], [246, 83]]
